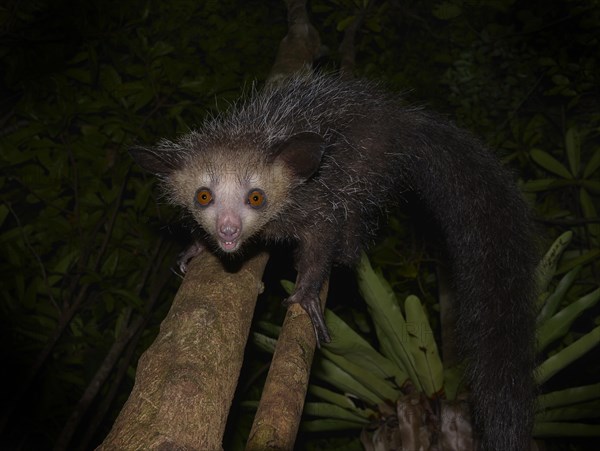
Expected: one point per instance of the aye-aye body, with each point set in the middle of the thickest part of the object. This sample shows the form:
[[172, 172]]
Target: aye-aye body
[[317, 161]]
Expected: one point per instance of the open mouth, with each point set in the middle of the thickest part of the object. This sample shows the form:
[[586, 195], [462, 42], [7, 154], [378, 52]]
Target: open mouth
[[229, 246]]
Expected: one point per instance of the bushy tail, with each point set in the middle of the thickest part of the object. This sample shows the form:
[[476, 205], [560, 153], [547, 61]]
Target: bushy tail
[[488, 231]]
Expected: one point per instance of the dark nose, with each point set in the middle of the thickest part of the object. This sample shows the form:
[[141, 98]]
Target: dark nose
[[229, 230]]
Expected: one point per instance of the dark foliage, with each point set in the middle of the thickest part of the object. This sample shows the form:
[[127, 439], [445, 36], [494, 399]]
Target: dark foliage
[[86, 250]]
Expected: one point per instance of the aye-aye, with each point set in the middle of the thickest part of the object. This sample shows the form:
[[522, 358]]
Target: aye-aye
[[317, 161]]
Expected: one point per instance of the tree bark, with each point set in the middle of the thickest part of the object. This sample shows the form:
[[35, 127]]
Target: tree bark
[[299, 48], [186, 380], [279, 413]]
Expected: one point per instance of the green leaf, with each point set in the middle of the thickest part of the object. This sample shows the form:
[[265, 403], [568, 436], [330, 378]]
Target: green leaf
[[454, 380], [560, 80], [271, 329], [565, 430], [587, 204], [579, 411], [142, 98], [446, 11], [63, 265], [263, 342], [535, 186], [161, 48], [373, 24], [345, 23], [573, 145], [591, 185], [287, 286], [424, 348], [132, 298], [326, 410], [339, 400], [110, 78], [590, 212], [111, 264], [568, 355], [553, 301], [390, 325], [568, 396], [593, 164], [362, 374], [328, 371], [326, 425], [81, 75], [560, 323], [349, 344], [545, 61], [550, 163], [547, 267], [581, 260]]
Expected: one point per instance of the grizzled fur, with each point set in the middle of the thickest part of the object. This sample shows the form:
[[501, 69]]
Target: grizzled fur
[[331, 156]]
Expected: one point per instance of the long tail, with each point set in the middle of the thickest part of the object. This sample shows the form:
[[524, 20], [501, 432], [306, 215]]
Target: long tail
[[489, 236]]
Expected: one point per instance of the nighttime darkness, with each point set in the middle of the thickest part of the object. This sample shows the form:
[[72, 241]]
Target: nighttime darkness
[[184, 184]]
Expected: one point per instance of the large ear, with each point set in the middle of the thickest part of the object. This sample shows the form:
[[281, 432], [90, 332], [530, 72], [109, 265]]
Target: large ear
[[156, 160], [301, 153]]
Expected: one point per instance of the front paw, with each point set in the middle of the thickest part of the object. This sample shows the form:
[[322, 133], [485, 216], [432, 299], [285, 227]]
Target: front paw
[[312, 306], [184, 258]]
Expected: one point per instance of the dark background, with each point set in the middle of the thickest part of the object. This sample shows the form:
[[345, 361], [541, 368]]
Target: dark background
[[87, 249]]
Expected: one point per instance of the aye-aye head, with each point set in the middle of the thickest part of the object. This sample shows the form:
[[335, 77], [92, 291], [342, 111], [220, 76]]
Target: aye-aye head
[[233, 193]]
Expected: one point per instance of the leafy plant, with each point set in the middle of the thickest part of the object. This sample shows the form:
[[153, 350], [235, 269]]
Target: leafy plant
[[367, 382]]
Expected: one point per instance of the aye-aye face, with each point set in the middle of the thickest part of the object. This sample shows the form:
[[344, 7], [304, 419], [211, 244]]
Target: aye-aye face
[[231, 200], [233, 194]]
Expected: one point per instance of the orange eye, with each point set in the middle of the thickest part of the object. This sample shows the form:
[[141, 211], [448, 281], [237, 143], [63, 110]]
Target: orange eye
[[256, 198], [203, 197]]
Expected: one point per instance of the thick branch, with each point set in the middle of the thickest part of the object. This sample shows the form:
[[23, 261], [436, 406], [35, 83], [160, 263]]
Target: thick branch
[[186, 380], [280, 410], [299, 47]]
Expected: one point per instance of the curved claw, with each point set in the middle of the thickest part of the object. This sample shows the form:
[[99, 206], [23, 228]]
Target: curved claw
[[312, 306], [186, 256]]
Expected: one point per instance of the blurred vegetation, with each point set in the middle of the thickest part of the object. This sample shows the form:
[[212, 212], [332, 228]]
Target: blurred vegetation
[[87, 244]]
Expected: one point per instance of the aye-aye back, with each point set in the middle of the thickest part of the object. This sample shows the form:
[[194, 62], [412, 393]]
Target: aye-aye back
[[317, 161]]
